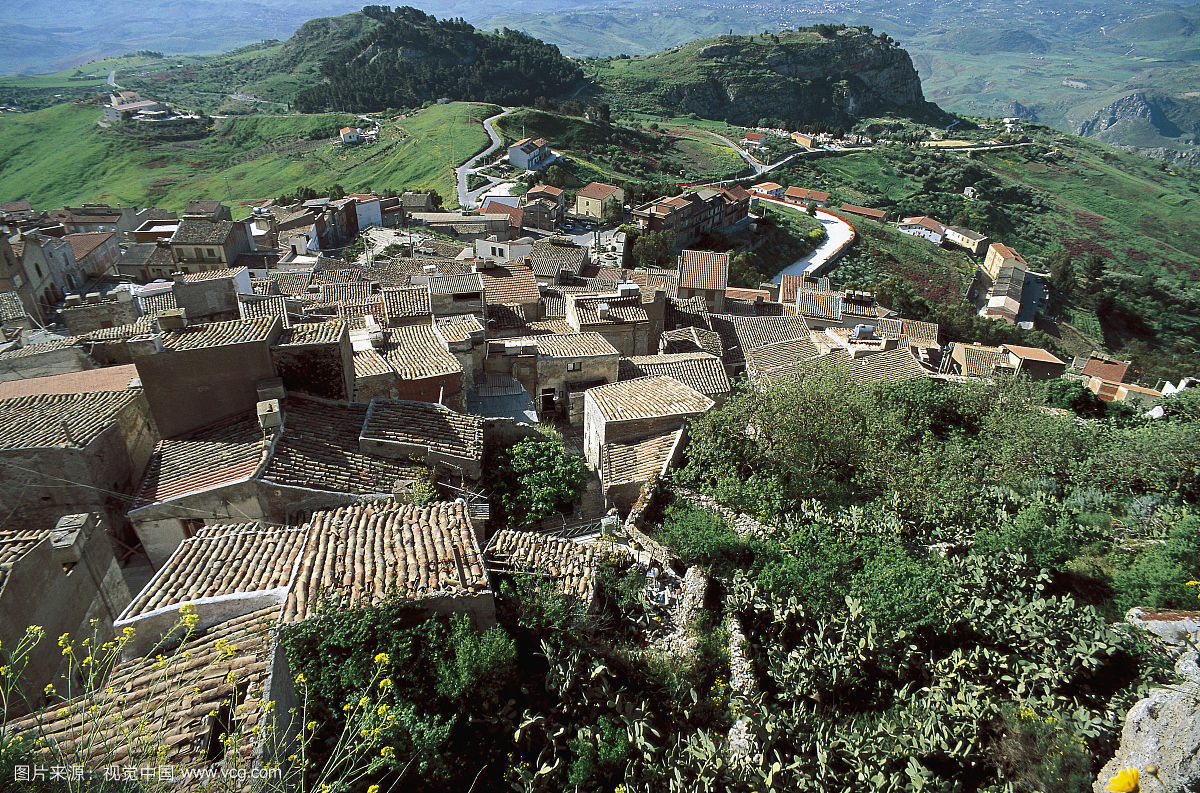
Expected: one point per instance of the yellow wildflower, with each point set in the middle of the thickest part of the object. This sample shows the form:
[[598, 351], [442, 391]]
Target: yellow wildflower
[[373, 789], [1126, 781], [386, 683], [388, 753], [381, 658], [301, 679]]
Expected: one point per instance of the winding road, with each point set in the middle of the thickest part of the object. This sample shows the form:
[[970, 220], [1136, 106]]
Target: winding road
[[466, 198], [756, 166], [838, 233]]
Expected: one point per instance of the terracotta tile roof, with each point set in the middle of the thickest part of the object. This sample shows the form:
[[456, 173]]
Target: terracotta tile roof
[[510, 283], [368, 363], [1109, 369], [138, 327], [636, 461], [455, 284], [146, 699], [15, 543], [109, 378], [217, 334], [554, 305], [38, 349], [425, 424], [399, 304], [740, 335], [621, 310], [15, 206], [549, 190], [699, 370], [254, 306], [820, 305], [345, 293], [162, 301], [1005, 251], [556, 252], [805, 194], [976, 359], [329, 332], [574, 345], [265, 287], [222, 560], [11, 307], [780, 359], [551, 326], [292, 282], [356, 309], [924, 222], [867, 212], [502, 317], [334, 275], [458, 327], [395, 273], [415, 352], [596, 190], [213, 275], [60, 420], [691, 339], [647, 397], [198, 231], [360, 554], [210, 457], [571, 565], [319, 450], [747, 294], [890, 365], [791, 284], [1033, 354], [703, 270], [83, 244]]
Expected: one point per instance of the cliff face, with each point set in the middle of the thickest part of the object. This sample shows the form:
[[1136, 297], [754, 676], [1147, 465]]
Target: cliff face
[[1151, 124], [795, 78], [1133, 106]]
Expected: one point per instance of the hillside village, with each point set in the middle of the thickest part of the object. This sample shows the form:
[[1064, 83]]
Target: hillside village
[[247, 418]]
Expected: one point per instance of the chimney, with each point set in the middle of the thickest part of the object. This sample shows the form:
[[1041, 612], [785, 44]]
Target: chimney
[[124, 295], [172, 319], [69, 536], [269, 417], [71, 301], [93, 297], [602, 312]]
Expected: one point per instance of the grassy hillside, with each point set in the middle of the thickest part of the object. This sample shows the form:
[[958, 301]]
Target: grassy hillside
[[59, 156], [791, 77], [1129, 219], [608, 152]]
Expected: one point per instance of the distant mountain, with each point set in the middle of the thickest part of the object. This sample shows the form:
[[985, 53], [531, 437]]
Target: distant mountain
[[408, 57], [830, 74]]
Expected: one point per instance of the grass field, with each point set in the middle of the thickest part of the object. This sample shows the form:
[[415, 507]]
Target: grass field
[[58, 156]]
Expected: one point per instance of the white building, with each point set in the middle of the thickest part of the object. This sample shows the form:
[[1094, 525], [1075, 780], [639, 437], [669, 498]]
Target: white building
[[350, 134], [531, 155], [925, 227]]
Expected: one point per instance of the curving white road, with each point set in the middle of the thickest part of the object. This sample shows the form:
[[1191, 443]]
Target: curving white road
[[756, 166], [466, 198], [838, 233]]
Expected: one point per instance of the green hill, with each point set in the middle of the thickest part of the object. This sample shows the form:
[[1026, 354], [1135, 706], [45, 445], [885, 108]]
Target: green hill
[[828, 74], [59, 156], [409, 57]]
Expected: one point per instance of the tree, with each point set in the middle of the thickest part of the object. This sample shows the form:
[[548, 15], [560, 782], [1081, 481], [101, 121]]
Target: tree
[[811, 209], [537, 477], [1062, 275], [653, 248], [1093, 267]]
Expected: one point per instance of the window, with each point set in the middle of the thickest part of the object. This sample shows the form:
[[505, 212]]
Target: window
[[38, 267], [212, 254], [463, 297], [575, 366]]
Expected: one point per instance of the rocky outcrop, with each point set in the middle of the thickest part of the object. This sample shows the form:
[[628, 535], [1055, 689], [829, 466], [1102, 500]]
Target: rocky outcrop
[[1137, 105], [1162, 731], [788, 77]]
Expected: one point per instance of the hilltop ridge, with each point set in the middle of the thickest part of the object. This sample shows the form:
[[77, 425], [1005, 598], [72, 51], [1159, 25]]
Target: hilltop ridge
[[827, 73]]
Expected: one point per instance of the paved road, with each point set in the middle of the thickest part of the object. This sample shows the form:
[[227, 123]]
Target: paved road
[[838, 233], [112, 79], [758, 168], [466, 198]]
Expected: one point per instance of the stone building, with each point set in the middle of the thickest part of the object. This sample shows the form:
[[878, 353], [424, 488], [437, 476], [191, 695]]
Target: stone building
[[60, 578], [632, 410]]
